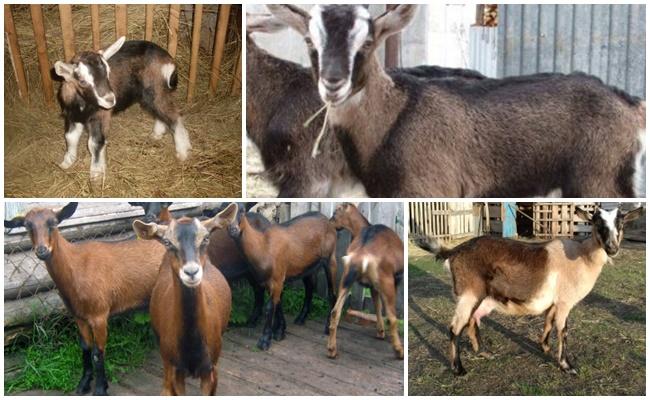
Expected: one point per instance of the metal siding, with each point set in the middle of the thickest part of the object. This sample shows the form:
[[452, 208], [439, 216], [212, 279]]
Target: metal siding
[[603, 40]]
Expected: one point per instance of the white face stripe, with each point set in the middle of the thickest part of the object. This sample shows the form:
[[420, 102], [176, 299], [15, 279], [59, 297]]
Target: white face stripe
[[108, 68], [609, 217], [358, 34], [84, 73], [317, 32]]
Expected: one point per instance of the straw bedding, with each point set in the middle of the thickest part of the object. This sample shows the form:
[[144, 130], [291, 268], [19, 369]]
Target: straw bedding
[[138, 166]]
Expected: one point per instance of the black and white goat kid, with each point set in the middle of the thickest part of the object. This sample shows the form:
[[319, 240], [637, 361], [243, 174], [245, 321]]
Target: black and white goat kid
[[98, 84]]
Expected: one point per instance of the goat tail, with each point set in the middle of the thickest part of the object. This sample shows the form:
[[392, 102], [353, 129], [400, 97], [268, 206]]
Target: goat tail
[[432, 246]]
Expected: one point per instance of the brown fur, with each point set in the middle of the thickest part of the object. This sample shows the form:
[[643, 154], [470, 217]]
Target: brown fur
[[383, 256], [96, 279], [288, 250], [189, 321]]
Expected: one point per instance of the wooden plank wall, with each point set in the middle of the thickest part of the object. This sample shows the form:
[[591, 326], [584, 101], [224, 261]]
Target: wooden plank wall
[[121, 29], [442, 220]]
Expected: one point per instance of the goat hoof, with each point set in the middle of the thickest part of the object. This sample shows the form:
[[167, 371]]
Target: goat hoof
[[66, 163], [332, 353], [399, 354], [264, 343], [459, 371], [279, 335], [182, 155], [84, 385], [381, 335], [100, 391]]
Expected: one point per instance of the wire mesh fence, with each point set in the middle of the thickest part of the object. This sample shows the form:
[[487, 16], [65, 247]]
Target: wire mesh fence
[[30, 292]]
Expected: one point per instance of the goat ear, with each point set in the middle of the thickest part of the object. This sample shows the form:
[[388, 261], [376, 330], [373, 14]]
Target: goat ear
[[632, 215], [15, 222], [393, 21], [266, 23], [585, 215], [112, 49], [64, 70], [66, 212], [294, 16], [147, 231], [226, 217]]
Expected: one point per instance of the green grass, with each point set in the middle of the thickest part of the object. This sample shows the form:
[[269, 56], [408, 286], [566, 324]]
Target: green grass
[[52, 356]]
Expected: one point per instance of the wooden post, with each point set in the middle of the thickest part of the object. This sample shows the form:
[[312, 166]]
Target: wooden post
[[194, 55], [65, 13], [14, 54], [94, 20], [41, 50], [120, 21], [236, 82], [391, 57], [148, 22], [174, 18], [219, 44]]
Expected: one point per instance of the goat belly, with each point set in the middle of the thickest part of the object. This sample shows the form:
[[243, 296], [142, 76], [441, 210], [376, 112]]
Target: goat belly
[[538, 303]]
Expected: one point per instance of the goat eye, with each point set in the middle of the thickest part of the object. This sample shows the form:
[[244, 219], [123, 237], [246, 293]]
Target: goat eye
[[367, 45], [83, 83], [309, 42]]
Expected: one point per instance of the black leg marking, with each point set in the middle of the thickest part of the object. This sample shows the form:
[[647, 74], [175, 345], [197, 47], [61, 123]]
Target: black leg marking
[[265, 341], [95, 130], [101, 385], [306, 305], [456, 365], [279, 324], [86, 379], [565, 364], [258, 292]]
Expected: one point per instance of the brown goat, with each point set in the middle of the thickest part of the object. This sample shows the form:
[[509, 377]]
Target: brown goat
[[294, 249], [95, 280], [375, 259], [519, 278], [190, 303]]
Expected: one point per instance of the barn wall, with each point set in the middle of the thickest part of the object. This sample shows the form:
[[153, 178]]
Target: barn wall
[[603, 40]]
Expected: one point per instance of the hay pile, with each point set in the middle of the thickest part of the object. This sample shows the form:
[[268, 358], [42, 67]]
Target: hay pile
[[138, 166]]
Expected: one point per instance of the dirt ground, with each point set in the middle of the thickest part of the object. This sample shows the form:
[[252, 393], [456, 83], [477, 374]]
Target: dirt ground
[[298, 365], [606, 338]]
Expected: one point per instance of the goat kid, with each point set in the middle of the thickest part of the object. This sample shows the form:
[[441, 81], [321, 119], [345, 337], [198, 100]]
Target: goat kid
[[295, 249], [191, 301], [407, 137], [98, 84], [519, 278], [95, 280], [374, 259]]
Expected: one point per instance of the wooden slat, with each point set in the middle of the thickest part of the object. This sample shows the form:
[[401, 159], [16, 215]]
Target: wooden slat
[[219, 44], [94, 21], [120, 20], [194, 55], [236, 82], [174, 19], [14, 54], [65, 14], [148, 22], [41, 50]]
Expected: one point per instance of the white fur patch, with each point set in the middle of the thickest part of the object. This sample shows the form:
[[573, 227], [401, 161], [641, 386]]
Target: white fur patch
[[639, 168], [159, 129], [447, 265], [182, 141], [72, 142], [167, 71], [84, 73], [108, 68], [555, 193], [609, 217]]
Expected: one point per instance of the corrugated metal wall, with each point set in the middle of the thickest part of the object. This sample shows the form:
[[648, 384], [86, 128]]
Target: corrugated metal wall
[[603, 40]]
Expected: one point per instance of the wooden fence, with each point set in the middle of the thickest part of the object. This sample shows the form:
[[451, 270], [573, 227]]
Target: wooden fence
[[443, 220], [29, 291], [69, 48], [551, 220]]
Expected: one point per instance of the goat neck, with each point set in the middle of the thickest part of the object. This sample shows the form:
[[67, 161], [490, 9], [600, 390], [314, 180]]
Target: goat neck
[[356, 223], [368, 114]]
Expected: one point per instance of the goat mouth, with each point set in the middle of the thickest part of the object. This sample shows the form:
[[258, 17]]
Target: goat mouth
[[191, 282], [44, 256]]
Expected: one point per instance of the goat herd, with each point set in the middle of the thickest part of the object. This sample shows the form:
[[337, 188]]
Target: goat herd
[[183, 268]]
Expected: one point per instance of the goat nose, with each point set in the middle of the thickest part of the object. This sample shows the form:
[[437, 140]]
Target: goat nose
[[191, 270], [41, 252]]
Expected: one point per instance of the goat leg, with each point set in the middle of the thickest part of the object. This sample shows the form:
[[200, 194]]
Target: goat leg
[[562, 329], [381, 334], [548, 327], [465, 307], [330, 275], [279, 323], [308, 281], [84, 384], [258, 307], [265, 341], [101, 384]]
